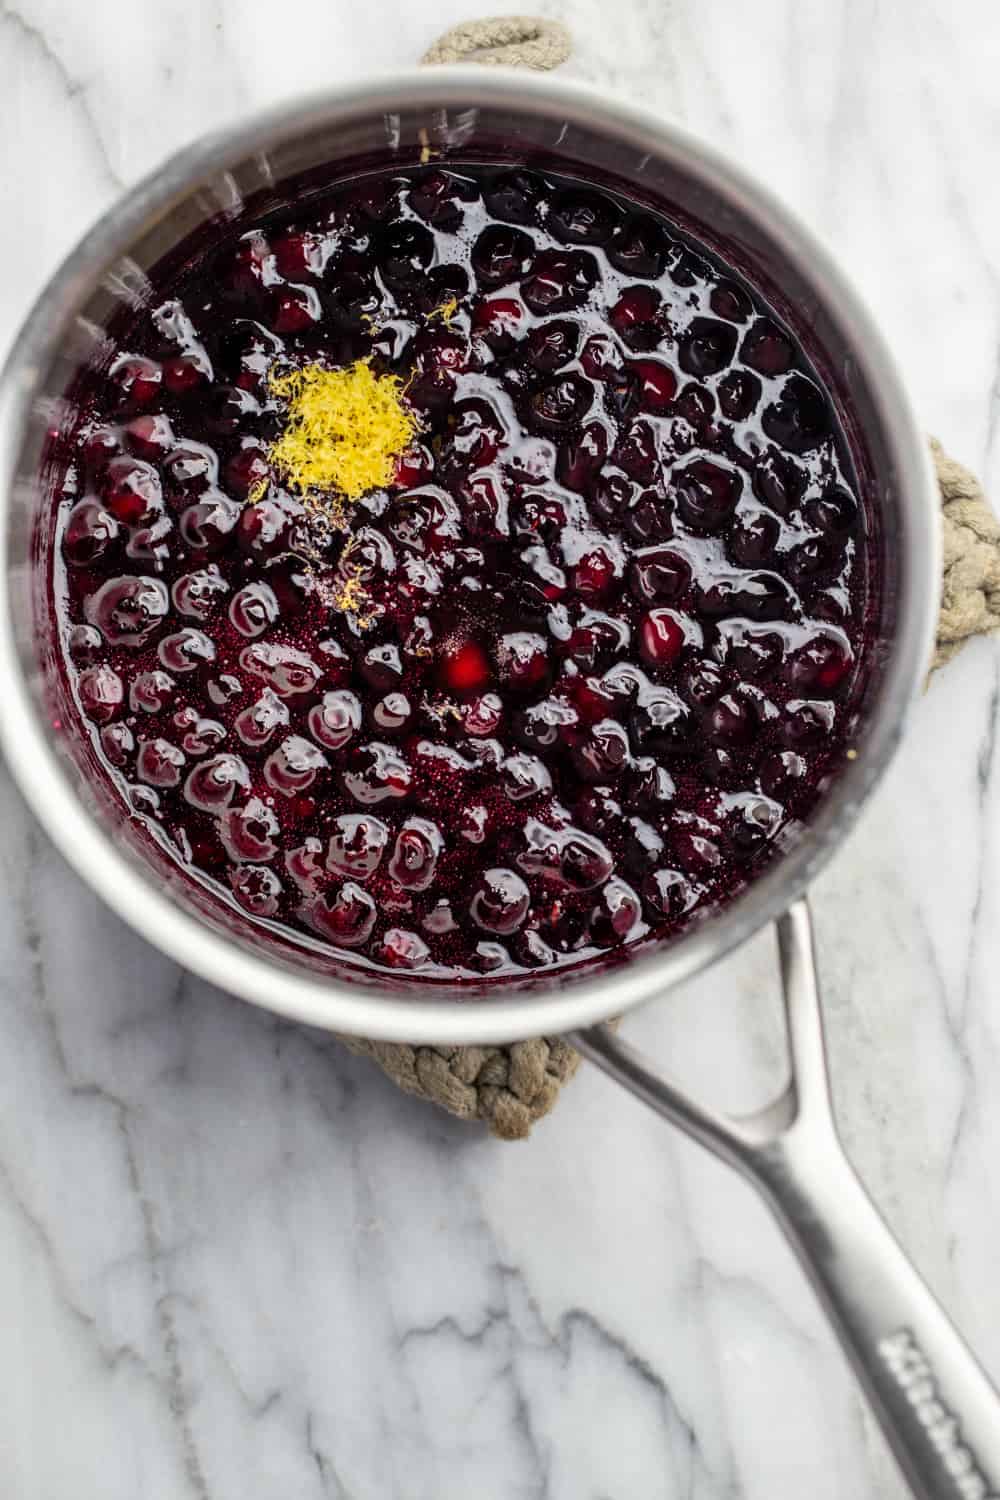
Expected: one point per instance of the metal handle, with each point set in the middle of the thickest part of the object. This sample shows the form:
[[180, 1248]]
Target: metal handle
[[937, 1408]]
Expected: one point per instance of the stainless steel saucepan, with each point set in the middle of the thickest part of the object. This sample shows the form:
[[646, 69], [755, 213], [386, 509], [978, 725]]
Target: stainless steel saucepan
[[937, 1408]]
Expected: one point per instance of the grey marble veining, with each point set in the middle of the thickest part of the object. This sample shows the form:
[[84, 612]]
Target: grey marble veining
[[233, 1260]]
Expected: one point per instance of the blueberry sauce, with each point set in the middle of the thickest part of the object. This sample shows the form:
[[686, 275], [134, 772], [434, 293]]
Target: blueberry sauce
[[570, 680]]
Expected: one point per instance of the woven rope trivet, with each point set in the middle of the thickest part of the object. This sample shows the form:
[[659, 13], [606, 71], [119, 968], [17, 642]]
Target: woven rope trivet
[[509, 41], [970, 592], [509, 1088]]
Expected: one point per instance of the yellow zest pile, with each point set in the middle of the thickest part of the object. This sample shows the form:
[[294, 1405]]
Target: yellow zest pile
[[344, 430]]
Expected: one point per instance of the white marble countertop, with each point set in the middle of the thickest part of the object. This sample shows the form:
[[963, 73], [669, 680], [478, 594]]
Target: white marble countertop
[[234, 1262]]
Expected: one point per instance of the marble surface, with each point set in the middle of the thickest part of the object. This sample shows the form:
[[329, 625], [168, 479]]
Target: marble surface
[[234, 1261]]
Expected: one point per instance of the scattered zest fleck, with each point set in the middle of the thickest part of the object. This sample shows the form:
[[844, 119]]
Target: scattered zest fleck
[[852, 755], [344, 593], [350, 595], [441, 708], [445, 312], [343, 432], [426, 149]]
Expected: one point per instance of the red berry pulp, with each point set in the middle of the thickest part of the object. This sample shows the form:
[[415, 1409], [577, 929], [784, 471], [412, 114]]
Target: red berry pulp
[[612, 612]]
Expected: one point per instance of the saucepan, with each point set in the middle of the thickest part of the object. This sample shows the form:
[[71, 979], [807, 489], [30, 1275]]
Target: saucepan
[[937, 1408]]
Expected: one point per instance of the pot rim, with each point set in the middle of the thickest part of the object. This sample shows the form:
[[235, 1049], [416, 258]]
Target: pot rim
[[561, 1002]]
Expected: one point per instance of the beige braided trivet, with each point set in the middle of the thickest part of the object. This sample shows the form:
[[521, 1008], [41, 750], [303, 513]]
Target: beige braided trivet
[[510, 41], [508, 1087], [970, 593], [511, 1087]]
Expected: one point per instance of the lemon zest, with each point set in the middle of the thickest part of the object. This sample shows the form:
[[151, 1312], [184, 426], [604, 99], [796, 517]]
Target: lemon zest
[[441, 708], [350, 596], [427, 151], [445, 312], [344, 593], [344, 430]]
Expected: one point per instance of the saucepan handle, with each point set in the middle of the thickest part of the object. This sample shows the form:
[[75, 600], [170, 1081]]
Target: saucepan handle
[[937, 1408]]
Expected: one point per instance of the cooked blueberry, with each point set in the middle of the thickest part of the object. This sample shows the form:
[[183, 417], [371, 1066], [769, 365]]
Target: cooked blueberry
[[640, 247], [501, 255], [579, 217], [707, 347], [800, 418]]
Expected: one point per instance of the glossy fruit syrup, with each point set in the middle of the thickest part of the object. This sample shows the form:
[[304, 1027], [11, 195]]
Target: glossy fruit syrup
[[569, 680]]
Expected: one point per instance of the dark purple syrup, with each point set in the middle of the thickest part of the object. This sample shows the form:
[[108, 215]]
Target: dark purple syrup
[[613, 605]]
